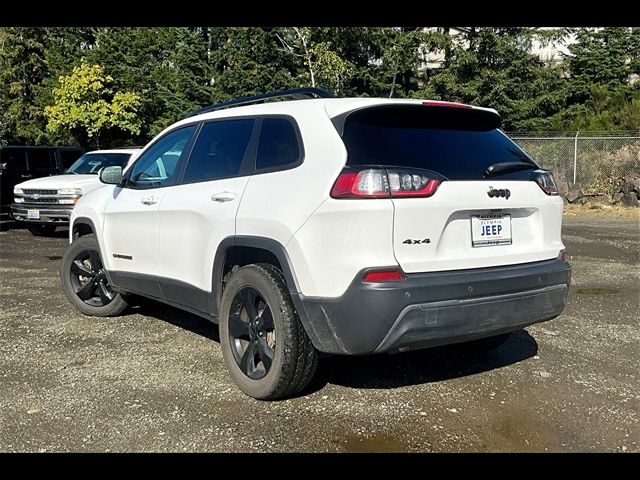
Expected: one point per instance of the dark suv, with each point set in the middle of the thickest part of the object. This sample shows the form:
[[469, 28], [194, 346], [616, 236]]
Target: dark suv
[[20, 163]]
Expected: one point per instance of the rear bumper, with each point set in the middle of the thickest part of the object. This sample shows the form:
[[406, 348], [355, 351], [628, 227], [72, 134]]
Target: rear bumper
[[51, 214], [436, 308]]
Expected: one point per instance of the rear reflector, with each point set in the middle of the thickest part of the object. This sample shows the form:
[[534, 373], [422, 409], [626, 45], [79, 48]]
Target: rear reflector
[[385, 183], [379, 276]]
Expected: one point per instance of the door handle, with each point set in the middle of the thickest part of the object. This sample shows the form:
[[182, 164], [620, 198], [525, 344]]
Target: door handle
[[223, 197], [149, 201]]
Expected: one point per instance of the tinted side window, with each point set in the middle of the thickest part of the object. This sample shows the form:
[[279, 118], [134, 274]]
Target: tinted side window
[[41, 159], [278, 144], [157, 166], [219, 150], [13, 159]]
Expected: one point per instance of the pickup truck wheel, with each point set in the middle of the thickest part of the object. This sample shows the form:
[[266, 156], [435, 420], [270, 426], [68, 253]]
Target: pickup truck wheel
[[264, 345], [84, 280], [38, 229]]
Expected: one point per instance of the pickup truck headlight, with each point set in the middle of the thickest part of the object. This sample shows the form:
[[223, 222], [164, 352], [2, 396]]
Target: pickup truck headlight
[[74, 193], [17, 191], [70, 191]]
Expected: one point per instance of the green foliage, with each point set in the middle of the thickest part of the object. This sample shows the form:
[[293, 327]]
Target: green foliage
[[86, 106], [176, 70], [492, 67], [22, 70]]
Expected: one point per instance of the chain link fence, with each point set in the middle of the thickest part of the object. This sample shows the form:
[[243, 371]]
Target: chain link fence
[[594, 160]]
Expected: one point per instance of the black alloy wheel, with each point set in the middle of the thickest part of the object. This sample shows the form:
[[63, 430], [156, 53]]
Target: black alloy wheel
[[89, 280], [252, 333]]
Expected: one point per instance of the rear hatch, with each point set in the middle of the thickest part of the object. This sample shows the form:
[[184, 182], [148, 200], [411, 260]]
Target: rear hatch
[[492, 204]]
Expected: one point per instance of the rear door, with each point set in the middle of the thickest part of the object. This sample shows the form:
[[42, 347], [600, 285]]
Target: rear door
[[474, 219]]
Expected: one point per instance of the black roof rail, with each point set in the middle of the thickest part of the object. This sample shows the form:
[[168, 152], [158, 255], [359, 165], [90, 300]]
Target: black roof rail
[[296, 93]]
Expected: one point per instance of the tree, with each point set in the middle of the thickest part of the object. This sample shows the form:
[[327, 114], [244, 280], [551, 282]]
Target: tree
[[321, 63], [493, 67], [87, 108], [248, 61], [22, 70], [600, 93]]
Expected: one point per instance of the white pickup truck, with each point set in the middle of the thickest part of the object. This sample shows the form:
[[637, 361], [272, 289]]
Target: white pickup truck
[[45, 203]]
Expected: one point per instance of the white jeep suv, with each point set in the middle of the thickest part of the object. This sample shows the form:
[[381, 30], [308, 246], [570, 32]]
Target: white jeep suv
[[337, 225], [45, 203]]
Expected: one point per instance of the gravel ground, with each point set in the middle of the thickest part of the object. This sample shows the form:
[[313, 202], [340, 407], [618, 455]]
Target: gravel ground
[[154, 380]]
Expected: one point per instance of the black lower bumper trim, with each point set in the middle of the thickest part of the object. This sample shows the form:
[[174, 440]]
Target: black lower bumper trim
[[437, 308], [453, 321]]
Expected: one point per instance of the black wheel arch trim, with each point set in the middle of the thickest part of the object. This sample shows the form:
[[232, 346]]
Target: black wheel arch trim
[[87, 221], [280, 252]]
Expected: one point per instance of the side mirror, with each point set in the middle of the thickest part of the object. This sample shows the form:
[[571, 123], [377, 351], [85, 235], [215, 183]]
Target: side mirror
[[111, 175]]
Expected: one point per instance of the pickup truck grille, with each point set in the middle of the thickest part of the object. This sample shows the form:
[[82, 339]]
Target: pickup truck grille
[[39, 192], [32, 201], [40, 197]]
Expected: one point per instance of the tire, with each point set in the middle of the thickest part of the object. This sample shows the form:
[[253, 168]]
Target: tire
[[488, 343], [282, 360], [84, 281], [39, 229]]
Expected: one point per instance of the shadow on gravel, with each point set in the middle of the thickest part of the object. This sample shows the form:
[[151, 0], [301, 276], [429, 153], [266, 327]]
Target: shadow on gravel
[[374, 371], [175, 316], [422, 366], [7, 223]]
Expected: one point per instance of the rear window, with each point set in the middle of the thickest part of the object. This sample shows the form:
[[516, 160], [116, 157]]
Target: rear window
[[13, 159], [457, 143], [41, 159]]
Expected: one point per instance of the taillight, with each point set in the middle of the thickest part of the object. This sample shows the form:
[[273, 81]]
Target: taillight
[[545, 181], [387, 275], [385, 183], [369, 183]]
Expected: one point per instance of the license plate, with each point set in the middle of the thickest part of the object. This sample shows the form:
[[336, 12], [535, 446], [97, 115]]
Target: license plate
[[491, 229], [33, 214]]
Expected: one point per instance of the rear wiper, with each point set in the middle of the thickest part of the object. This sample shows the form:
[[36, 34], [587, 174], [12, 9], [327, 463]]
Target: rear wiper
[[508, 167]]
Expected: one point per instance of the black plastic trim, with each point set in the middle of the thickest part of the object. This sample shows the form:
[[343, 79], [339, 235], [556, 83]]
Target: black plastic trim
[[132, 282], [182, 293], [297, 93], [358, 321], [192, 298], [88, 222], [280, 252]]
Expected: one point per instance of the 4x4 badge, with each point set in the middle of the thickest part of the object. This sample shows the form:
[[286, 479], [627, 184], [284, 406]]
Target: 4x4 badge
[[499, 192]]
